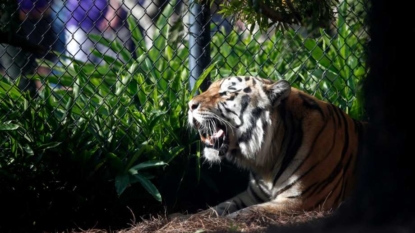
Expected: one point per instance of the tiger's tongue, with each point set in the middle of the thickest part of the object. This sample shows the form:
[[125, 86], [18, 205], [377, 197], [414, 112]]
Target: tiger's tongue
[[210, 139]]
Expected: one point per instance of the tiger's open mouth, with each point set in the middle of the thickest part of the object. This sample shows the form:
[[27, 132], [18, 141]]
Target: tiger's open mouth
[[214, 137]]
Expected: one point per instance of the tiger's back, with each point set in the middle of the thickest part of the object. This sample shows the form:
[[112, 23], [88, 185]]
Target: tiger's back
[[301, 151], [320, 150]]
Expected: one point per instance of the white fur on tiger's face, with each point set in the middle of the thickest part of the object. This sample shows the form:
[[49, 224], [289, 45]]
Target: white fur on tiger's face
[[234, 115], [301, 151]]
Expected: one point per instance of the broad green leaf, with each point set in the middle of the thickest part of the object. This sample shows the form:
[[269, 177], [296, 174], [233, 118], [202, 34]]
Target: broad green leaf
[[147, 165], [49, 145], [28, 149], [8, 126], [163, 26], [122, 50], [104, 41], [114, 64], [202, 78], [148, 186], [114, 161], [8, 89], [136, 35], [121, 183], [318, 55], [136, 155]]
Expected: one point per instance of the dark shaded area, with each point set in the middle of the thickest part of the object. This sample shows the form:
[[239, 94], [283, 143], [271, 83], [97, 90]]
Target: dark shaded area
[[383, 201], [19, 41], [217, 183], [10, 24], [38, 201]]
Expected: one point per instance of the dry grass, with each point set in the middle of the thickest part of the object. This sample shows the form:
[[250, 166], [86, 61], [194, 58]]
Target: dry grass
[[254, 223]]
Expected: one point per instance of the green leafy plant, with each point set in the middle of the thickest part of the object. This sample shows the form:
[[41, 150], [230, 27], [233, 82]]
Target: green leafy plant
[[329, 67], [339, 65], [121, 125], [121, 137]]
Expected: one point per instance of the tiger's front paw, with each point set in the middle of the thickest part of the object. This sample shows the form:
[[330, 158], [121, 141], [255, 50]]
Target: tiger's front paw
[[225, 208], [211, 212], [243, 213], [220, 210]]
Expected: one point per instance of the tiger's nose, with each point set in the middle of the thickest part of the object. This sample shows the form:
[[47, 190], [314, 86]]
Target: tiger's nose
[[193, 105]]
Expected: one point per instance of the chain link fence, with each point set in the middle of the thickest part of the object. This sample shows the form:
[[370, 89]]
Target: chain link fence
[[42, 39], [101, 86]]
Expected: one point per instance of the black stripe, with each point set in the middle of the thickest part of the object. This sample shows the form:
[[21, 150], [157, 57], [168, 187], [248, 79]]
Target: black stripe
[[247, 135], [304, 192], [344, 150], [238, 203], [286, 124], [247, 78], [330, 178], [227, 109], [234, 151], [332, 175], [222, 93], [331, 113], [345, 170], [239, 79], [310, 153], [244, 104], [259, 185], [256, 113], [295, 140], [242, 204], [327, 155], [342, 197], [322, 200], [257, 198], [341, 194], [311, 104], [294, 182], [346, 137], [336, 111], [247, 90], [220, 112], [338, 167], [278, 132]]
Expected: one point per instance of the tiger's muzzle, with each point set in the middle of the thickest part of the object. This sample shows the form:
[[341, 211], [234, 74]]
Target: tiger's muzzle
[[213, 136]]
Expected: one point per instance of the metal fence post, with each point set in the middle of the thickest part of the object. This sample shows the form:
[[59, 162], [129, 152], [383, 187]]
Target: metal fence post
[[199, 41]]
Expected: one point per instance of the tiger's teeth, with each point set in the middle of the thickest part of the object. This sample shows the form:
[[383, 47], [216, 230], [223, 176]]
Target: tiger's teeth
[[218, 134], [210, 139]]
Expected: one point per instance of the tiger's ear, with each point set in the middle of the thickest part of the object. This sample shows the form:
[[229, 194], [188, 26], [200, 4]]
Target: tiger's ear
[[278, 91]]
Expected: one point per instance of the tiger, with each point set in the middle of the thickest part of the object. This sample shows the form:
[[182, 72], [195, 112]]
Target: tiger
[[300, 151]]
